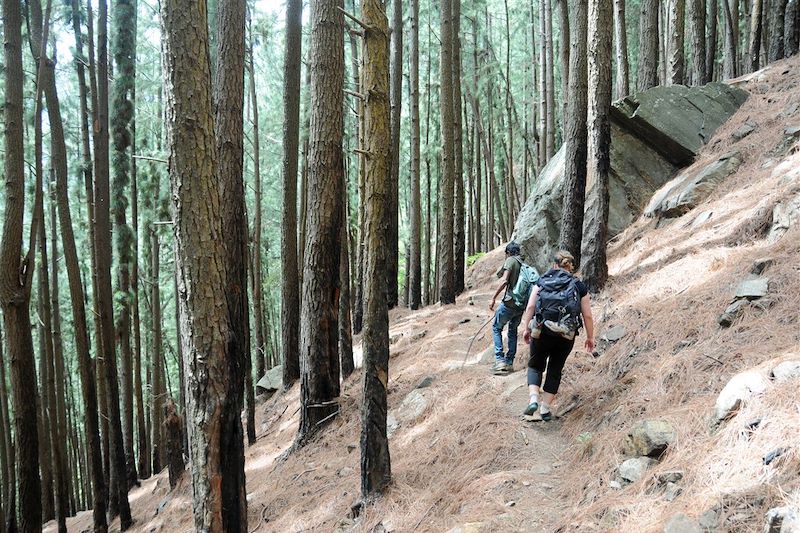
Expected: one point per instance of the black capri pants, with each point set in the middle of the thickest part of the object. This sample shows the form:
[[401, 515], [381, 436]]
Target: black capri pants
[[548, 352]]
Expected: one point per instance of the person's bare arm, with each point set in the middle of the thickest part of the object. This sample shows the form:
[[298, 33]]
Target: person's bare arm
[[588, 321], [500, 288], [527, 316]]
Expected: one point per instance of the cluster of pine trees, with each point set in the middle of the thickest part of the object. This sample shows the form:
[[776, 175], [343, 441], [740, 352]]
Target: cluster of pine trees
[[397, 141]]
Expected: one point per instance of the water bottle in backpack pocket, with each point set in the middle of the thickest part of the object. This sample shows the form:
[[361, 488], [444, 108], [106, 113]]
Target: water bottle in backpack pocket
[[558, 307]]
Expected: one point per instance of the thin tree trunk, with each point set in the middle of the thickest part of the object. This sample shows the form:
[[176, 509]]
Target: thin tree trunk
[[792, 28], [290, 285], [697, 32], [575, 137], [711, 47], [599, 77], [345, 321], [677, 16], [396, 94], [9, 524], [754, 49], [621, 42], [458, 155], [426, 244], [319, 350], [731, 12], [564, 55], [444, 254], [647, 72], [777, 19], [46, 416], [415, 263], [157, 393]]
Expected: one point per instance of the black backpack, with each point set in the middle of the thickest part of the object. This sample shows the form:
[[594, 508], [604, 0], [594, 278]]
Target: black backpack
[[559, 299]]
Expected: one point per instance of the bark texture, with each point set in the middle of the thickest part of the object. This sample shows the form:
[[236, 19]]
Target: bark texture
[[444, 240], [621, 42], [677, 17], [697, 33], [415, 270], [396, 96], [647, 72]]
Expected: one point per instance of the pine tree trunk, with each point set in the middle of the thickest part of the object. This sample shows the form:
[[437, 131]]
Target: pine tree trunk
[[730, 11], [375, 461], [792, 28], [564, 54], [9, 523], [319, 350], [677, 16], [697, 32], [595, 269], [290, 285], [754, 48], [157, 395], [575, 136], [426, 242], [415, 270], [396, 94], [15, 283], [647, 72], [345, 320], [121, 120], [444, 249], [458, 155], [621, 42], [777, 20], [711, 47]]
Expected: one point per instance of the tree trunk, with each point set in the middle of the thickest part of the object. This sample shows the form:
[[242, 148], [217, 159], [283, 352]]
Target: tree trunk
[[375, 461], [697, 31], [444, 252], [595, 269], [564, 55], [345, 321], [730, 10], [15, 279], [122, 117], [647, 72], [777, 19], [792, 28], [173, 433], [575, 137], [426, 243], [396, 94], [9, 488], [319, 350], [415, 270], [458, 155], [621, 41], [677, 16], [290, 285], [711, 47], [754, 48], [157, 394]]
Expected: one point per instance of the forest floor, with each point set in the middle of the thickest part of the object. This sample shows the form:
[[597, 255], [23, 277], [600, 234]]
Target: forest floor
[[463, 457]]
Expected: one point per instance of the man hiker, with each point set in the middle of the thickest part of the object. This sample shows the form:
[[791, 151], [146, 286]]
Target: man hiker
[[508, 312], [558, 304]]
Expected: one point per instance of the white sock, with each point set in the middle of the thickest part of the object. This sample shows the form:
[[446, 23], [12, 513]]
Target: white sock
[[534, 398], [544, 408]]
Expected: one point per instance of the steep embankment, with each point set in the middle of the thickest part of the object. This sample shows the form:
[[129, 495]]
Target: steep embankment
[[463, 457]]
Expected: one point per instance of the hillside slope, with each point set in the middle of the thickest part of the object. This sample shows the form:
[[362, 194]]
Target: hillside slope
[[462, 457]]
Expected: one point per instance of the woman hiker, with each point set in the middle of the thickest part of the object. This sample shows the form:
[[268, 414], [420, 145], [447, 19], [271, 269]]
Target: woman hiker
[[507, 312], [557, 305]]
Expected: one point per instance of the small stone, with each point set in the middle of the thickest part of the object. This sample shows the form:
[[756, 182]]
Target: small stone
[[792, 131], [672, 491], [351, 448], [701, 219], [752, 289], [680, 523], [744, 130], [632, 470], [526, 483], [512, 503], [616, 485], [392, 425], [786, 371], [760, 265], [782, 520], [344, 472], [650, 438], [546, 486], [464, 320], [672, 476], [163, 503], [614, 334], [753, 424], [732, 312], [774, 454], [709, 520], [740, 388], [470, 301], [426, 382], [420, 334], [394, 338]]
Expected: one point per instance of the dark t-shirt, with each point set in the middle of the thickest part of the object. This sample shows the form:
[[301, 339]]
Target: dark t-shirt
[[513, 265]]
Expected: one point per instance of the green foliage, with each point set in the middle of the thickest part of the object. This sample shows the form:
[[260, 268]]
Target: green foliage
[[473, 258]]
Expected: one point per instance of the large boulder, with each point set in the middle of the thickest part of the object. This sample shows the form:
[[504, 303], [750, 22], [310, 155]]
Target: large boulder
[[740, 388], [653, 135], [271, 380]]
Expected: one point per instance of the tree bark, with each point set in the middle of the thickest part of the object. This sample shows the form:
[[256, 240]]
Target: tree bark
[[697, 32], [415, 270], [575, 137], [319, 350], [730, 10], [396, 96], [345, 320], [446, 289], [375, 461], [16, 276], [595, 269], [157, 394], [564, 55], [677, 17], [777, 19], [173, 433], [458, 155], [647, 72], [711, 47], [290, 285], [9, 488], [754, 48], [621, 42], [792, 28]]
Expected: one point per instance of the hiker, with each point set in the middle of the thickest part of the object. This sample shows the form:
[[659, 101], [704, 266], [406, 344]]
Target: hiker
[[557, 306], [508, 313]]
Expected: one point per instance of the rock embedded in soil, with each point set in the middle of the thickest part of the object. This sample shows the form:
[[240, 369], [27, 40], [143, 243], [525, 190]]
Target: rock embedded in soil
[[671, 476], [709, 520], [649, 438], [271, 380], [792, 131], [426, 382], [786, 371], [672, 492], [632, 470], [739, 389], [761, 264], [744, 130], [752, 289], [680, 523], [783, 520], [614, 334], [785, 215], [732, 312]]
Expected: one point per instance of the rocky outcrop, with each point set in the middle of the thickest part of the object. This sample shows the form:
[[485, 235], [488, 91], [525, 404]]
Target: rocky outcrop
[[650, 438], [739, 389], [653, 135]]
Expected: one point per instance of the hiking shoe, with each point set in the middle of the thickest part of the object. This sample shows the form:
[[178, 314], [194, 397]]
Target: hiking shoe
[[532, 407], [502, 369], [557, 327], [547, 417]]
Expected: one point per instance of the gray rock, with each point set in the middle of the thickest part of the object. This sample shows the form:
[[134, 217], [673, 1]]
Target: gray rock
[[709, 520], [760, 265], [732, 312], [632, 470], [650, 438], [653, 134], [426, 382], [271, 380], [616, 485], [686, 191], [672, 476], [792, 131], [785, 214], [419, 335], [344, 472], [744, 130], [614, 334], [752, 289], [680, 523], [783, 520], [392, 425], [672, 491], [786, 371], [412, 406], [701, 219], [739, 389]]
